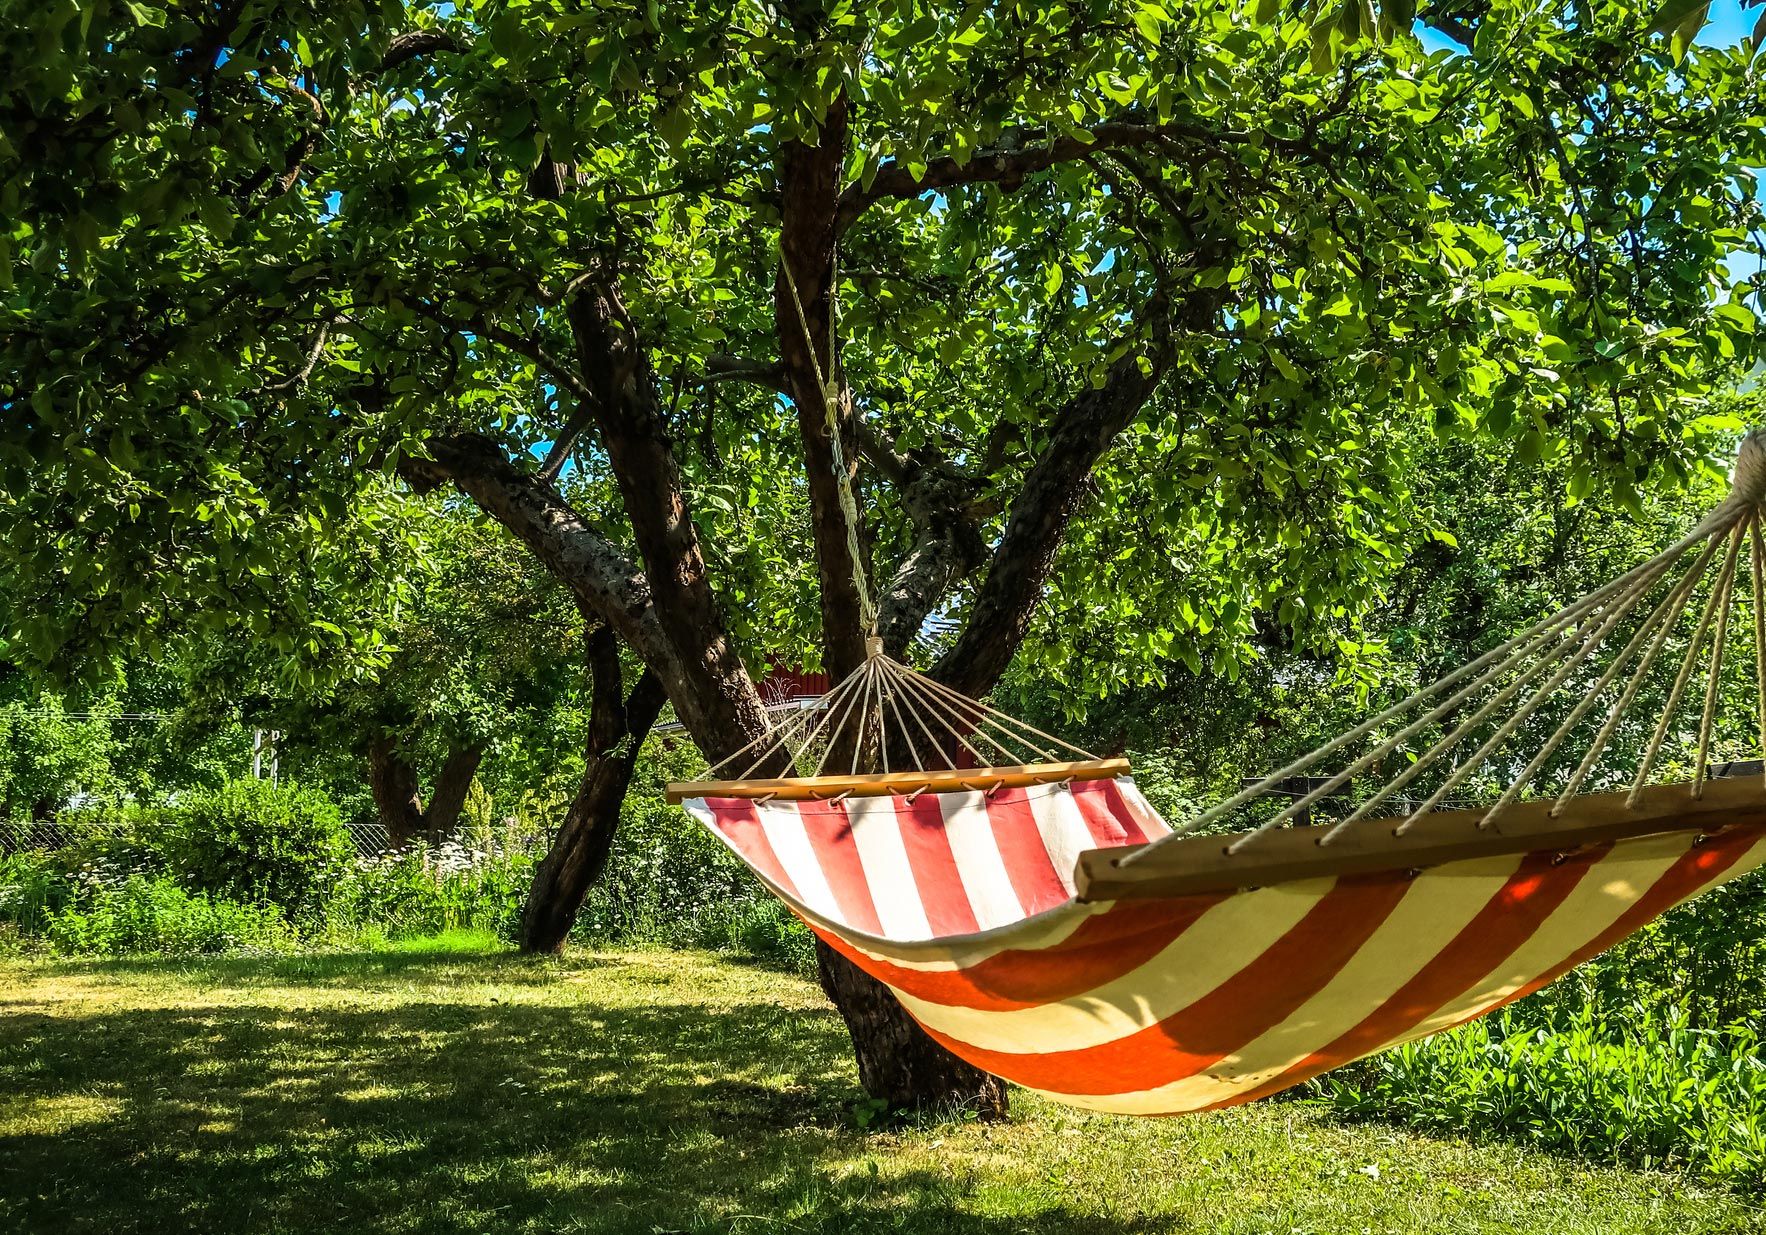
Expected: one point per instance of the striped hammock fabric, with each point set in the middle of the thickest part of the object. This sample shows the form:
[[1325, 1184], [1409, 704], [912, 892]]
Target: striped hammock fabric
[[964, 904]]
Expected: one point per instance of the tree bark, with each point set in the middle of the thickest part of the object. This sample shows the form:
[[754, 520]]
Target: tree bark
[[809, 184], [578, 856], [452, 784], [393, 782], [707, 683], [897, 1062], [398, 797], [668, 613]]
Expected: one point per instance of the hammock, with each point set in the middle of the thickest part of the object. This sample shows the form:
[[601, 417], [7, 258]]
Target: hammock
[[1035, 915]]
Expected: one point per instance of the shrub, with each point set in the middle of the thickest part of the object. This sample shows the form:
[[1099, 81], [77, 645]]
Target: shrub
[[670, 882], [260, 843], [1652, 1091], [129, 837], [145, 914], [417, 892], [32, 887]]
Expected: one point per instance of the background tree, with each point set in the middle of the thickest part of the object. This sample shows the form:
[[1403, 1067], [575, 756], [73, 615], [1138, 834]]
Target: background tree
[[484, 650], [1144, 308]]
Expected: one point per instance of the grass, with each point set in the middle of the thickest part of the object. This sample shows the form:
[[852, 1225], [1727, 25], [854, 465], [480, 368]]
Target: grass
[[449, 1087]]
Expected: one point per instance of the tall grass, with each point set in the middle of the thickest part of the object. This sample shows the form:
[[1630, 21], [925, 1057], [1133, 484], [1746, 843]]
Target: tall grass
[[1646, 1089]]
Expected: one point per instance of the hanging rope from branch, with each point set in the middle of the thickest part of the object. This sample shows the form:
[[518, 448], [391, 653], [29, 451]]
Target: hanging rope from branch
[[824, 375]]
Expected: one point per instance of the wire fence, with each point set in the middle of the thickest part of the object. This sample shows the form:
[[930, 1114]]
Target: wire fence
[[369, 836]]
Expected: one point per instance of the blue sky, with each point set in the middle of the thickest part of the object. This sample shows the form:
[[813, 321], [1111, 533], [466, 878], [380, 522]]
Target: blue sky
[[1729, 24]]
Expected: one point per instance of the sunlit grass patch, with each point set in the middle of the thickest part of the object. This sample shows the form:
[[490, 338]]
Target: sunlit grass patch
[[453, 1088]]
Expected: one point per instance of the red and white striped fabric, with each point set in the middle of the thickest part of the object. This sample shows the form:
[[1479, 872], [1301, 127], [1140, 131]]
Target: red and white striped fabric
[[963, 904]]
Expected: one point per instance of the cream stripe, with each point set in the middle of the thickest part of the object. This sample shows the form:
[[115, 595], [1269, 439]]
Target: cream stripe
[[790, 842], [1608, 889], [1150, 820], [1218, 945], [985, 880], [876, 833], [1063, 831], [1433, 912], [954, 952]]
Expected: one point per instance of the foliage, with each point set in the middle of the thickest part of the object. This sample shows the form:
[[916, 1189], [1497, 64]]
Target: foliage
[[32, 889], [145, 914], [484, 654], [413, 893], [1705, 961], [260, 843], [1655, 1091], [46, 755], [255, 263]]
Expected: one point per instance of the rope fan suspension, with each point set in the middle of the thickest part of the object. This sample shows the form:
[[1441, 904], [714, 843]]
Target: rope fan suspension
[[1032, 911]]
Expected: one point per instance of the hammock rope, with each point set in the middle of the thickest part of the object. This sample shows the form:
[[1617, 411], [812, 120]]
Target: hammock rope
[[886, 714], [1035, 915]]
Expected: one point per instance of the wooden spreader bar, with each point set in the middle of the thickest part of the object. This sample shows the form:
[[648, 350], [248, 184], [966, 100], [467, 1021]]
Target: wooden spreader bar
[[1193, 864], [883, 784]]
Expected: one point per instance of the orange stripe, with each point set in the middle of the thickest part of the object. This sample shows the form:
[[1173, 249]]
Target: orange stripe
[[1102, 949], [1258, 997], [1703, 864], [940, 883], [1510, 918], [1025, 854], [1107, 814]]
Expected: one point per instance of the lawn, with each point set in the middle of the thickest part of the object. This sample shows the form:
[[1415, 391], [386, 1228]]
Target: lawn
[[452, 1087]]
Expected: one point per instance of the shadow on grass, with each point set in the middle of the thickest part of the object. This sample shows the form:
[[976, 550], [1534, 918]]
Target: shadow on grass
[[472, 957], [439, 1117]]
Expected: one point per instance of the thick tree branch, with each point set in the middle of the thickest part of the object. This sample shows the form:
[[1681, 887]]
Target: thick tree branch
[[599, 576], [618, 725], [767, 374], [948, 546], [414, 43], [809, 196], [1024, 556], [1025, 152]]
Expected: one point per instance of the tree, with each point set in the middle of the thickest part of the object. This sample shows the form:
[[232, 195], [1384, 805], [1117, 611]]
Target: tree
[[48, 753], [483, 648], [1144, 309]]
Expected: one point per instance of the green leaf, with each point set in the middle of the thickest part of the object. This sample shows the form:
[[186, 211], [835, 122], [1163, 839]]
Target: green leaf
[[1687, 31]]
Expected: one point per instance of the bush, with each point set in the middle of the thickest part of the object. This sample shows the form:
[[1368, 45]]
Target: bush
[[259, 843], [413, 892], [127, 837], [145, 914], [1652, 1092], [32, 887]]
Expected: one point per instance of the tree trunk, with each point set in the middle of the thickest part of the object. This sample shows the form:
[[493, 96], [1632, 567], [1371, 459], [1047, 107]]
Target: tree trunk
[[617, 729], [897, 1062], [452, 784], [393, 783]]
